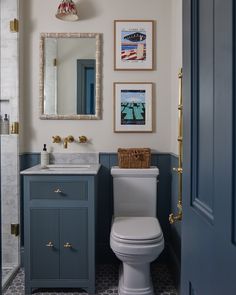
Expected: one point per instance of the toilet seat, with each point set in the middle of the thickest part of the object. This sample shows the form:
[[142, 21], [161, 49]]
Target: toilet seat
[[136, 229], [136, 235], [137, 242]]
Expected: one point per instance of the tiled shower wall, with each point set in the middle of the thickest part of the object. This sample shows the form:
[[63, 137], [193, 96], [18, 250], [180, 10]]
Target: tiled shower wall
[[9, 104]]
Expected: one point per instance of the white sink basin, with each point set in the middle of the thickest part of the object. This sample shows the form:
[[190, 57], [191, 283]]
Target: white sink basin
[[68, 166], [56, 167]]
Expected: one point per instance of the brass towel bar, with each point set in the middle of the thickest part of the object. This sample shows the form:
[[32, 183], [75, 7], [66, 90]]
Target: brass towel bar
[[173, 218]]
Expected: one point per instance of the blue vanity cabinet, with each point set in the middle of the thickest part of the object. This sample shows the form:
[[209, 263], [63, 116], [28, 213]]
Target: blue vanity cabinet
[[59, 214]]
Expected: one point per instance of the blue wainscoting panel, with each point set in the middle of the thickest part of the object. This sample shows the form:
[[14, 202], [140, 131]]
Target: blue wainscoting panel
[[28, 160], [166, 201], [162, 161], [104, 211]]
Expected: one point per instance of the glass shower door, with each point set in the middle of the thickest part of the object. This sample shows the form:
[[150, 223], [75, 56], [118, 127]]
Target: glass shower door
[[9, 105]]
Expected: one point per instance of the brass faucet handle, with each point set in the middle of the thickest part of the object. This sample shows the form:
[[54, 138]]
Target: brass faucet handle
[[83, 139], [56, 139], [70, 138]]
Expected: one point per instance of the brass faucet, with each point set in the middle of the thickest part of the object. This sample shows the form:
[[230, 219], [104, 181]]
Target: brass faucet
[[67, 139]]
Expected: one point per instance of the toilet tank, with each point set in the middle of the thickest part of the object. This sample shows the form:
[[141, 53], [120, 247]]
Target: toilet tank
[[135, 191]]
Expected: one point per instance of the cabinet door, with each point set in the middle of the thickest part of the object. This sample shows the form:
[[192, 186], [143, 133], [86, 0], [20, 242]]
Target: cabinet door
[[44, 239], [74, 243]]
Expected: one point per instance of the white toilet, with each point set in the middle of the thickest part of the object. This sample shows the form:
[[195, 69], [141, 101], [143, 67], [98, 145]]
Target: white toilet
[[136, 237]]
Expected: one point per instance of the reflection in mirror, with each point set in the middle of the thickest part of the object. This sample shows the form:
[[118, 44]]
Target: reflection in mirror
[[70, 76]]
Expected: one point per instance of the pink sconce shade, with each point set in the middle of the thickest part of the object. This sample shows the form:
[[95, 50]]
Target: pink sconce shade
[[67, 11]]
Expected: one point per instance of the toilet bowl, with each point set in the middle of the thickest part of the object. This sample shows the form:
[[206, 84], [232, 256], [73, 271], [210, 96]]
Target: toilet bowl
[[136, 241], [136, 237]]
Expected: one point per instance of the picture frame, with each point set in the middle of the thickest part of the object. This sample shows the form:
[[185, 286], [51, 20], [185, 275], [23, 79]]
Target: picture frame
[[133, 106], [133, 45]]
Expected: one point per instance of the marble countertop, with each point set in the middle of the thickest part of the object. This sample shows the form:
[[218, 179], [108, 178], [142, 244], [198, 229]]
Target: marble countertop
[[90, 169]]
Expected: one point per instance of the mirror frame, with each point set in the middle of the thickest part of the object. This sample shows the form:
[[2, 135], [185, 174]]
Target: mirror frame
[[98, 107]]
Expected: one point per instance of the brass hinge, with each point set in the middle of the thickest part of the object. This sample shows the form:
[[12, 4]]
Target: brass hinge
[[15, 128], [15, 229], [14, 26]]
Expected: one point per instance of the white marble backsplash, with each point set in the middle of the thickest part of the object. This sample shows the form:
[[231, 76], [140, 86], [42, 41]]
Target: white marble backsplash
[[74, 158]]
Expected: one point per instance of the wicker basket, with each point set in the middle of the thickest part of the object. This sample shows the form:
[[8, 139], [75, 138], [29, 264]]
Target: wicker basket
[[134, 158]]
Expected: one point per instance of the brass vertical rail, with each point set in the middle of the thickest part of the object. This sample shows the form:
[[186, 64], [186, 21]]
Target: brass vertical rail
[[173, 218]]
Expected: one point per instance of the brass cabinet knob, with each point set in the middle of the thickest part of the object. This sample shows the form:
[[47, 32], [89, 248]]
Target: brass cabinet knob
[[67, 245], [57, 191], [50, 244]]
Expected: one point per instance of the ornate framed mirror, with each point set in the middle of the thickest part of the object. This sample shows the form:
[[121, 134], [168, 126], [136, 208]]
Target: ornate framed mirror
[[70, 76]]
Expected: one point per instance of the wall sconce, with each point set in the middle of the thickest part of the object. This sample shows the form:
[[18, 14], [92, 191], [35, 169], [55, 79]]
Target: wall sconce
[[67, 11]]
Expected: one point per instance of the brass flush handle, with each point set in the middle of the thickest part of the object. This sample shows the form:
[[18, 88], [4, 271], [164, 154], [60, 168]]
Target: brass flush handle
[[67, 245], [50, 244], [57, 191]]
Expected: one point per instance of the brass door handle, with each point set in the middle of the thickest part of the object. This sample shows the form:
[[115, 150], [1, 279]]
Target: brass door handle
[[57, 191], [67, 245], [50, 244]]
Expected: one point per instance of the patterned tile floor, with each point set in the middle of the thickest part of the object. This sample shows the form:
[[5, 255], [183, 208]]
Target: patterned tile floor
[[106, 282]]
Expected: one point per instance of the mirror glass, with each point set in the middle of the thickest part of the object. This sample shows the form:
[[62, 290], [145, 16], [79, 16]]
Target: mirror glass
[[70, 76]]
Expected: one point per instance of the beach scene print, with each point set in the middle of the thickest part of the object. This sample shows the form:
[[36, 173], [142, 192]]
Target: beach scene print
[[133, 45], [133, 107]]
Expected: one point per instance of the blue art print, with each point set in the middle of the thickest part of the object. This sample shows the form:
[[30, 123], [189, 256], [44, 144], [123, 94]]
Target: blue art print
[[133, 107], [133, 45]]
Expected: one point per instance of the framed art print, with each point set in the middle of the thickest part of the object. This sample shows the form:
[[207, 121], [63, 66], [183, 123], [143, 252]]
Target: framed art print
[[133, 44], [133, 107]]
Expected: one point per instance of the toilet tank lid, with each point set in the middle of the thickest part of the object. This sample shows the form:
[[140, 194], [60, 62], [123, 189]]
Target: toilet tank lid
[[153, 171]]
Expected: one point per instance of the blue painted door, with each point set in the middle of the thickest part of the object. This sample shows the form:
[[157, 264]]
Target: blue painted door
[[209, 223]]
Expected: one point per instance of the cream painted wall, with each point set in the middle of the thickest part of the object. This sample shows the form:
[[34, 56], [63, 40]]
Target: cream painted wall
[[97, 16], [176, 64]]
